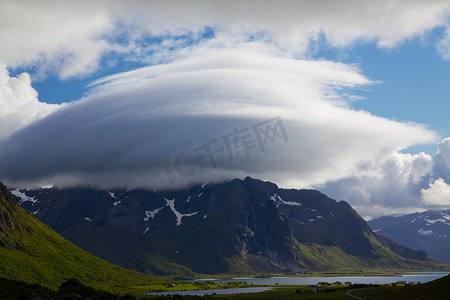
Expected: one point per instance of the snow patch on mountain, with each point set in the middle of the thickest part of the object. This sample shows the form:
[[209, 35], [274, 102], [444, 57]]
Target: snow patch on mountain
[[152, 213], [171, 204], [113, 195], [276, 198], [425, 232], [23, 197], [444, 219], [433, 221], [445, 216]]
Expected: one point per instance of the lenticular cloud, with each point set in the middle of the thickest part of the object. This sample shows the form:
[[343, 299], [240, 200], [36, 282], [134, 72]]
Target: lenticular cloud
[[196, 120]]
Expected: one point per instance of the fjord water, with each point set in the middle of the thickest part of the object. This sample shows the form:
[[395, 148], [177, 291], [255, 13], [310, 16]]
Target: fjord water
[[217, 292], [422, 278]]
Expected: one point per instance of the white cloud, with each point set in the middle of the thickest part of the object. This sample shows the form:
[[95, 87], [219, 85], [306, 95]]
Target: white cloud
[[443, 46], [386, 183], [437, 194], [398, 184], [54, 36], [121, 133], [70, 38], [19, 103], [294, 23], [442, 160]]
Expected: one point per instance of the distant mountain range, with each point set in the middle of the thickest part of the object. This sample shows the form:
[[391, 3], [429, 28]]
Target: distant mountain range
[[428, 231], [32, 252], [240, 226]]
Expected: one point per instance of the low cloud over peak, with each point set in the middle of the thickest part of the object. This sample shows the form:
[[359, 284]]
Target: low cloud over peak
[[122, 133]]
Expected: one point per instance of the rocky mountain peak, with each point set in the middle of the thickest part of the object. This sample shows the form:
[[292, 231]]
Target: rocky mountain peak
[[238, 226]]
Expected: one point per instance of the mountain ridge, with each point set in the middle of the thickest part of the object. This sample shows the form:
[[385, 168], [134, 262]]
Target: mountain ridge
[[428, 231], [239, 226]]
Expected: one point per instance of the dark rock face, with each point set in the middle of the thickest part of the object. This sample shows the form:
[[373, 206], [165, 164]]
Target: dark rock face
[[428, 231], [238, 226]]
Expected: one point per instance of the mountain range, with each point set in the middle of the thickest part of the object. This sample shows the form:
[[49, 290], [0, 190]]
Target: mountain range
[[239, 226], [428, 231]]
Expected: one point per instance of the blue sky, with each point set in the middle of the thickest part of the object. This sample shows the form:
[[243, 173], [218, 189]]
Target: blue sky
[[413, 84], [104, 93]]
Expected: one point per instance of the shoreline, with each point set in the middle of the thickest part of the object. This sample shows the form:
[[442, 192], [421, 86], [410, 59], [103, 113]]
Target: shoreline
[[312, 274]]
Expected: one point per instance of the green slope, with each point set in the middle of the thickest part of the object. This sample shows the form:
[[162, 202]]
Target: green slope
[[438, 289], [32, 252], [382, 258]]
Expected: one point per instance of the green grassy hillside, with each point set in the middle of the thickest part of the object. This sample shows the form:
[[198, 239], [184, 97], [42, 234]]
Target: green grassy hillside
[[437, 289], [32, 252], [332, 258]]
